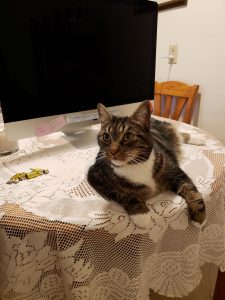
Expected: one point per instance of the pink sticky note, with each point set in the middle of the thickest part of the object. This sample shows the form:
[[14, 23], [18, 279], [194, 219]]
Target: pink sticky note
[[54, 125], [58, 123], [43, 129]]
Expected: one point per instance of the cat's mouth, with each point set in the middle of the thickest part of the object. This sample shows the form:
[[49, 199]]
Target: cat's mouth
[[117, 163]]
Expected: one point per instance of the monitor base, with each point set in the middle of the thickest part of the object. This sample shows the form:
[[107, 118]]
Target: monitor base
[[83, 138]]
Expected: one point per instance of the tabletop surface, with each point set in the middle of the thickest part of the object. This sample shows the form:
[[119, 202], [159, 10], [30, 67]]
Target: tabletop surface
[[61, 240]]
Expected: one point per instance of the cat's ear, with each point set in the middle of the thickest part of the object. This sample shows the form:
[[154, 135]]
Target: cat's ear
[[104, 114], [142, 115]]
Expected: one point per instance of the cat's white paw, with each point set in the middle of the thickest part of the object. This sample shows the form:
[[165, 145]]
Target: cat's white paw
[[142, 220], [192, 138], [198, 225], [197, 140]]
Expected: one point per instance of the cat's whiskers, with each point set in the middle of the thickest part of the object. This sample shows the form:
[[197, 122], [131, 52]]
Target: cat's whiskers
[[101, 157], [101, 154], [137, 158], [143, 167], [138, 162]]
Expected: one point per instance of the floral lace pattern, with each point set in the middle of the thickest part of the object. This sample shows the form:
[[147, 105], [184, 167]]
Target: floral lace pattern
[[29, 267], [174, 273], [60, 240], [164, 211]]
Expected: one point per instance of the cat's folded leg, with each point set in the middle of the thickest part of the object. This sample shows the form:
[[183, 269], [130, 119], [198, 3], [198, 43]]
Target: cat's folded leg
[[197, 210], [195, 203], [183, 186]]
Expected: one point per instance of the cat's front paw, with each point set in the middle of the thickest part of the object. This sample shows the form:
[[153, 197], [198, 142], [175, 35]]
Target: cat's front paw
[[197, 211], [135, 207]]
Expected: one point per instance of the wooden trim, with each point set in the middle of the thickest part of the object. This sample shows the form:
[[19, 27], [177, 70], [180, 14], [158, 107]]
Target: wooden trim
[[171, 4]]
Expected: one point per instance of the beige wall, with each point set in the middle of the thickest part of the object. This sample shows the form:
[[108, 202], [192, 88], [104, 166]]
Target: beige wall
[[199, 31]]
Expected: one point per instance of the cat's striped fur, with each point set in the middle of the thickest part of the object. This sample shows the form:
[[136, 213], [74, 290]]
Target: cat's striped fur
[[138, 158]]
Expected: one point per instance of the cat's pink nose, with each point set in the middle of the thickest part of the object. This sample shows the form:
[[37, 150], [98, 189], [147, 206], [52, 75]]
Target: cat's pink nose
[[114, 150]]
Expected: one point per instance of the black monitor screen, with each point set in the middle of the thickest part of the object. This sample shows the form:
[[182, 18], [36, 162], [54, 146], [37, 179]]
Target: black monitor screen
[[74, 54]]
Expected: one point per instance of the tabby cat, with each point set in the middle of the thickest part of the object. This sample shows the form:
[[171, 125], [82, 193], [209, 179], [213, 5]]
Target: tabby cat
[[139, 158]]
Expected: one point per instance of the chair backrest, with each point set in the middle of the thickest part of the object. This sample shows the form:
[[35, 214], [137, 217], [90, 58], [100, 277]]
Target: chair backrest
[[173, 98]]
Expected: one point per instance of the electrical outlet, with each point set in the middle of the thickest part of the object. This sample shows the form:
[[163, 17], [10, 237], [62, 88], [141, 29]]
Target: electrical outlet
[[173, 52]]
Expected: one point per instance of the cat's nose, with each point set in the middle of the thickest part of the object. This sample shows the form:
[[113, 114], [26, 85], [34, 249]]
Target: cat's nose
[[114, 150]]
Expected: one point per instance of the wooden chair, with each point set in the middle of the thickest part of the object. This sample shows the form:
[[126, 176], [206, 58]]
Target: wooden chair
[[173, 99]]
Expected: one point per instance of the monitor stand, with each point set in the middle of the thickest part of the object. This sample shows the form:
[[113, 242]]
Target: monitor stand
[[82, 137]]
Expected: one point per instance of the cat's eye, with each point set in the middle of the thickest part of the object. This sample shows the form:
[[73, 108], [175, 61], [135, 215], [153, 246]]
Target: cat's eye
[[106, 137], [128, 136]]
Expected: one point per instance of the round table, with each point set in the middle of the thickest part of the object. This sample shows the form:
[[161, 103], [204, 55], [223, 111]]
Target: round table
[[61, 240]]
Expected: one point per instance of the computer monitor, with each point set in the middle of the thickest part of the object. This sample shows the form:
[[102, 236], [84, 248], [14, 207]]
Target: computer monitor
[[62, 57]]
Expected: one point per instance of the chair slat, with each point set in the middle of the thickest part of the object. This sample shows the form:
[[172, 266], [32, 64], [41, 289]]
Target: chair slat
[[157, 105], [168, 103], [180, 102]]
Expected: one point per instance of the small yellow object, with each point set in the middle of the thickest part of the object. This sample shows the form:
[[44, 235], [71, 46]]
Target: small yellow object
[[36, 172], [17, 177], [29, 175]]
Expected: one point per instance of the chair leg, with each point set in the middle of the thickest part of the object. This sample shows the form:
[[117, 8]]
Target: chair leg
[[219, 293]]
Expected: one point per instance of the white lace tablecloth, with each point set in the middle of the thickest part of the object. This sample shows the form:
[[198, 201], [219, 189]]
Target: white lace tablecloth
[[60, 240]]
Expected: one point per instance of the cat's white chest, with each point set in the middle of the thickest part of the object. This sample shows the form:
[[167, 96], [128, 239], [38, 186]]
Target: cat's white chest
[[140, 173]]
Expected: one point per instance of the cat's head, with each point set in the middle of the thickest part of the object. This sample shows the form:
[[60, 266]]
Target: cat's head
[[125, 140]]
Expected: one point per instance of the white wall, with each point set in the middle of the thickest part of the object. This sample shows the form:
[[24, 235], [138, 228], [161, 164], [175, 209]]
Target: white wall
[[199, 31]]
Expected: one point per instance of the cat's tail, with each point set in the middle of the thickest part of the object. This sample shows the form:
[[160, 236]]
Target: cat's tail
[[193, 139]]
